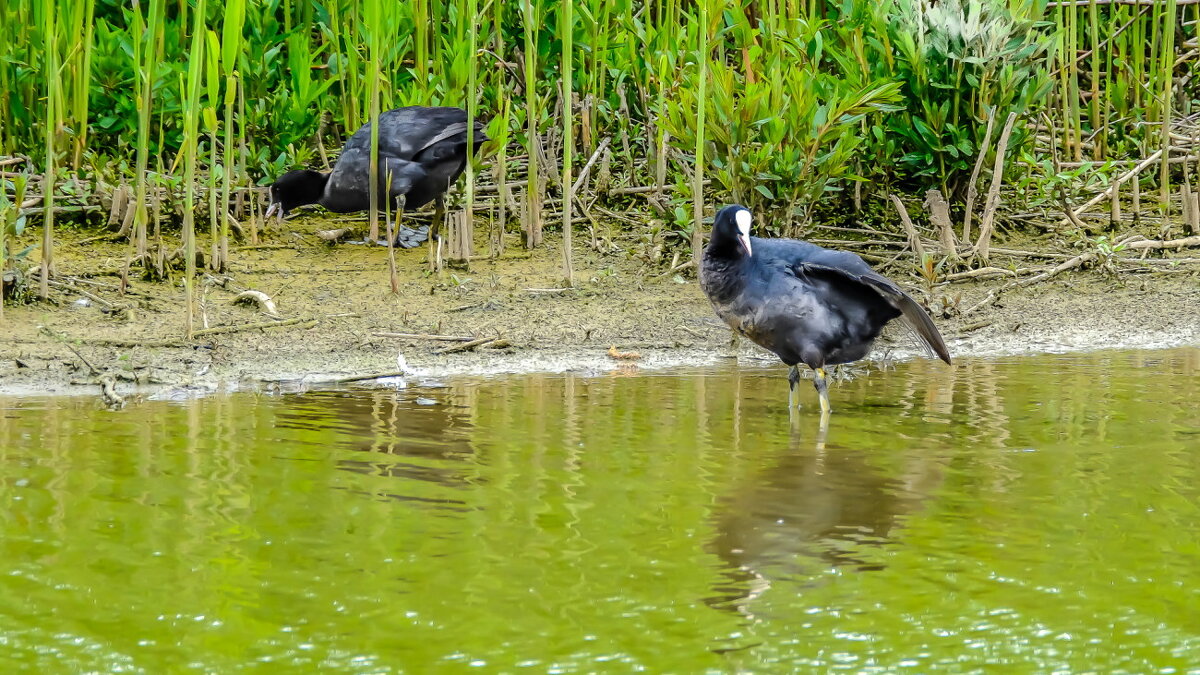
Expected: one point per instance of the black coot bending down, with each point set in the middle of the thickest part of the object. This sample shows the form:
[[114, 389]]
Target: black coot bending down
[[805, 303], [422, 151]]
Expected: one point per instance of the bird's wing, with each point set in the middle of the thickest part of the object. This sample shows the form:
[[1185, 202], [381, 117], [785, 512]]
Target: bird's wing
[[397, 175], [911, 313], [451, 131]]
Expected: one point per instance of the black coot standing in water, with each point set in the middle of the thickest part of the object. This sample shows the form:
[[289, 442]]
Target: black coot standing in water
[[422, 151], [805, 303]]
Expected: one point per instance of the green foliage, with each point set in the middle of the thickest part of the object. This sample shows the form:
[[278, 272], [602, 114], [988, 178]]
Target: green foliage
[[800, 99], [780, 139], [959, 62]]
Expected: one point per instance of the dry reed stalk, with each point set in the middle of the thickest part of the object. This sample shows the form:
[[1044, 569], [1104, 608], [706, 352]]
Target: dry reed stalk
[[914, 238], [987, 223], [939, 216], [972, 185]]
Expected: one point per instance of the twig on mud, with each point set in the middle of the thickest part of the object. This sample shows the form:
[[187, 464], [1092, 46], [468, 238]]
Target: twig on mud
[[1112, 190], [1016, 253], [1154, 244], [1068, 265], [678, 268], [107, 236], [644, 189], [264, 301], [302, 322], [372, 376], [972, 327], [131, 342], [547, 290], [861, 243], [72, 287], [108, 389], [63, 340], [105, 380], [79, 208], [506, 256], [467, 346], [425, 336], [981, 272], [263, 247], [622, 356]]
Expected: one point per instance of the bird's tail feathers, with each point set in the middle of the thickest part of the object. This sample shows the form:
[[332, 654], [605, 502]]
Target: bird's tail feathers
[[914, 317]]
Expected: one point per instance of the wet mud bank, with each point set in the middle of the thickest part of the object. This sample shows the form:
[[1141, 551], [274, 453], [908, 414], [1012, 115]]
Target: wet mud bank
[[333, 319]]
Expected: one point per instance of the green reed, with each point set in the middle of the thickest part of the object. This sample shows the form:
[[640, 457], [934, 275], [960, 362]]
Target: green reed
[[533, 192], [684, 91], [567, 30], [373, 15], [190, 87], [146, 53], [472, 104], [52, 123], [231, 45], [702, 58]]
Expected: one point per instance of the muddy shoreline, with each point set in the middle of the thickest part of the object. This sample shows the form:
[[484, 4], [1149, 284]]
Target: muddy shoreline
[[342, 307]]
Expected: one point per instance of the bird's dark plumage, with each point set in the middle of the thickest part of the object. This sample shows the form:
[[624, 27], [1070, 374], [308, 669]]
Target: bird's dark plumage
[[804, 303], [422, 151]]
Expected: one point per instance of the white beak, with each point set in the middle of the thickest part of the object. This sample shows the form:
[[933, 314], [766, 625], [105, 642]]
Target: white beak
[[273, 209], [743, 224], [744, 240]]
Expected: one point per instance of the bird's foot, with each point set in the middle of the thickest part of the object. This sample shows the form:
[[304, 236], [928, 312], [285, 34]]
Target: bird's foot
[[822, 391]]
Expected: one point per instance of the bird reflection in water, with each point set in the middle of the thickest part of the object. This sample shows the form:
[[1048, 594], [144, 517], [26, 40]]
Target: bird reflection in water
[[813, 509]]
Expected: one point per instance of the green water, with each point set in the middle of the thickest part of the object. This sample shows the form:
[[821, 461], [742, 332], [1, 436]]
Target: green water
[[1037, 514]]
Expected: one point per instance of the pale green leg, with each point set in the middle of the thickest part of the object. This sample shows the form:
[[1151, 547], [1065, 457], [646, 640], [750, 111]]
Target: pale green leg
[[793, 380], [822, 391]]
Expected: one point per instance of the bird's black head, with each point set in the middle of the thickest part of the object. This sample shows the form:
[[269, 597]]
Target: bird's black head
[[296, 188], [731, 232]]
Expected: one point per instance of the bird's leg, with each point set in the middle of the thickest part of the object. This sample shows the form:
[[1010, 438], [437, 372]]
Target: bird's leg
[[822, 390], [439, 215], [435, 228], [395, 233], [793, 380]]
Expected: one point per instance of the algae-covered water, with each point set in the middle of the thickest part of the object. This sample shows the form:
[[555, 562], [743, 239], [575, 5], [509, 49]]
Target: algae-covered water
[[1036, 514]]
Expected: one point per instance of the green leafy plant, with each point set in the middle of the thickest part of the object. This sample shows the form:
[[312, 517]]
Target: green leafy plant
[[959, 63], [784, 136]]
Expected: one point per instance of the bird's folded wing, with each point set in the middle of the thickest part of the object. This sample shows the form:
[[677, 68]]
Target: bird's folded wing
[[451, 130], [911, 313]]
